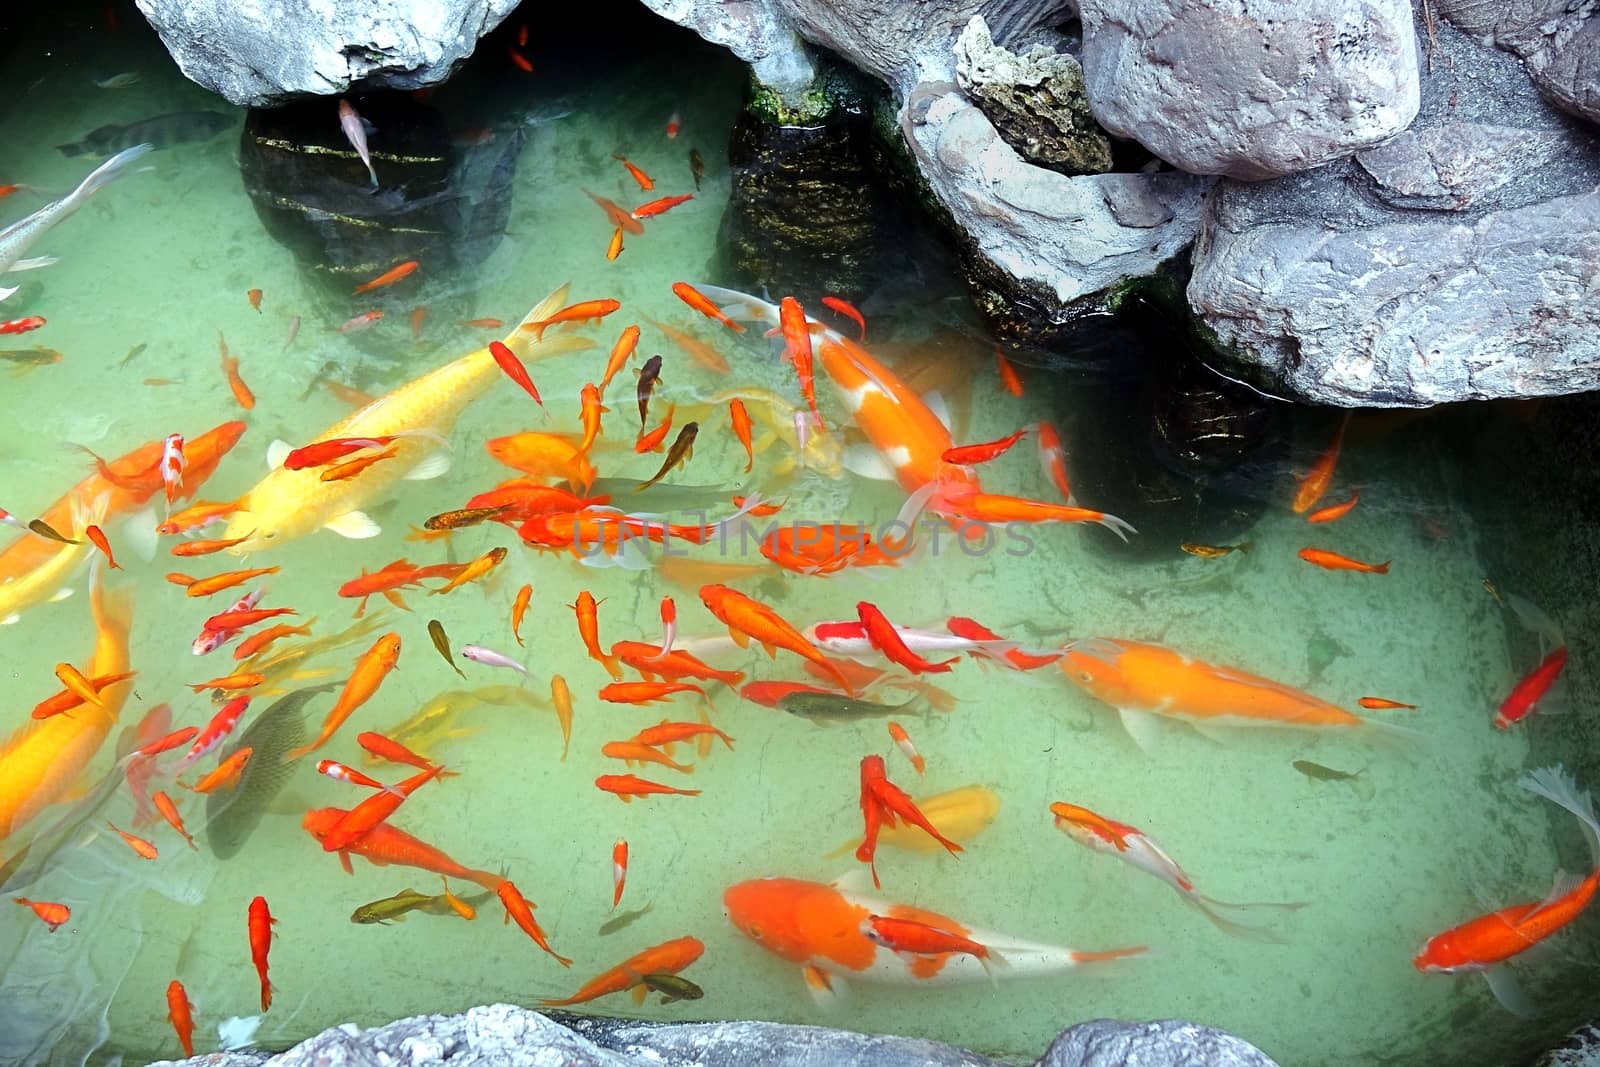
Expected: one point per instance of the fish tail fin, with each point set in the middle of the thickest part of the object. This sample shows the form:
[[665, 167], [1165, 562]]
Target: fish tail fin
[[1123, 528], [1246, 921], [108, 172], [992, 961], [1382, 568], [1557, 785]]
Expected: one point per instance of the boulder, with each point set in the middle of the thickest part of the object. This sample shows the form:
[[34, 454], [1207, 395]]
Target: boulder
[[1558, 40], [516, 1037], [265, 53], [1035, 101], [757, 31], [1456, 262], [1251, 89]]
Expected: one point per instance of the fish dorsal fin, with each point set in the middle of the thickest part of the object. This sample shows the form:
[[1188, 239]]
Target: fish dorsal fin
[[277, 452], [936, 404], [355, 525], [433, 466]]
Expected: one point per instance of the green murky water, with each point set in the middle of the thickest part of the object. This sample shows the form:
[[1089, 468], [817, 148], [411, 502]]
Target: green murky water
[[164, 257]]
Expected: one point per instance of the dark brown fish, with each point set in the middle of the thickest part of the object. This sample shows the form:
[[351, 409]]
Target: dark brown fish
[[455, 520], [681, 450], [442, 643], [649, 378], [1325, 774], [697, 167], [1214, 551], [133, 353], [27, 359], [49, 533]]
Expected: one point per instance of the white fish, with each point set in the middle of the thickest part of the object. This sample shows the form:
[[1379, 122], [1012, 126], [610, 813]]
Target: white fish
[[16, 238], [350, 123], [490, 658], [849, 638], [120, 81]]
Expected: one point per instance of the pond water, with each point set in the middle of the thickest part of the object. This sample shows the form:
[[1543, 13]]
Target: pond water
[[154, 272]]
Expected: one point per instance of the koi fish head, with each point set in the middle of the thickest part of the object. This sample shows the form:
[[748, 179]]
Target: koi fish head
[[320, 821], [790, 918], [1094, 665], [1088, 828], [1444, 954]]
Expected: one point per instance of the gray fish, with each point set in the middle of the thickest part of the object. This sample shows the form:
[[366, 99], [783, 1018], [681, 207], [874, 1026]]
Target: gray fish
[[20, 235], [832, 707], [232, 816], [1361, 784], [161, 131], [672, 987], [697, 167], [626, 919]]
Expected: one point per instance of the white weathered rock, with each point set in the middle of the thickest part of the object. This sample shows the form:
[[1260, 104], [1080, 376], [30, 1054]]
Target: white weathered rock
[[1459, 262], [1251, 89], [1070, 237], [1559, 40], [262, 52], [1167, 1043]]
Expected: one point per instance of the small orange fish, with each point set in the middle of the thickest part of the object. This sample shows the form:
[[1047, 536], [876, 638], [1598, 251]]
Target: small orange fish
[[474, 570], [98, 538], [206, 548], [142, 848], [484, 324], [903, 741], [740, 419], [388, 277], [589, 416], [588, 611], [255, 299], [796, 332], [1008, 373], [261, 641], [614, 246], [660, 207], [586, 311], [459, 906], [619, 871], [627, 786], [51, 914], [231, 683], [419, 315], [1334, 562], [849, 311], [163, 381], [181, 1014], [226, 774], [261, 923], [241, 392], [646, 692], [347, 394], [169, 812], [1379, 703], [632, 752], [519, 608], [698, 300], [644, 180], [370, 671], [216, 583], [514, 369], [1317, 479], [652, 441], [967, 455], [621, 352], [518, 908], [74, 681], [199, 514], [67, 699], [352, 467], [561, 697], [519, 60], [1335, 511]]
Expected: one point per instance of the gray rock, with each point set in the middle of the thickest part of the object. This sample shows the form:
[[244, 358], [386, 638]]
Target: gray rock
[[1459, 262], [267, 53], [1063, 239], [1251, 89], [1168, 1043], [1036, 101], [1558, 39], [1581, 1049], [509, 1036], [739, 1044]]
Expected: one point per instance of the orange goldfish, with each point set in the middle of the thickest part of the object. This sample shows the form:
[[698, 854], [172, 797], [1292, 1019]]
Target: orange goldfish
[[261, 923], [518, 908], [1335, 511], [652, 441], [141, 848], [903, 741], [561, 697], [697, 300], [369, 673], [740, 419], [590, 416], [384, 845], [646, 183], [667, 958], [1317, 479], [619, 216], [627, 786], [388, 277], [474, 570], [646, 692], [1332, 561], [1008, 373], [216, 583], [181, 1014], [587, 311], [746, 619], [169, 812], [587, 610], [621, 352], [518, 609], [51, 914], [226, 774]]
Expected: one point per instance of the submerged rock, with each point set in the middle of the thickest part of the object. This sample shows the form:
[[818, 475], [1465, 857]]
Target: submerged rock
[[515, 1037], [1457, 262], [1251, 90], [256, 55], [1557, 40], [1036, 101]]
